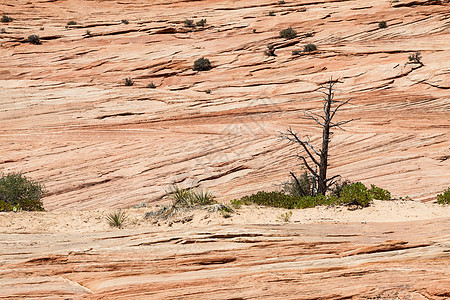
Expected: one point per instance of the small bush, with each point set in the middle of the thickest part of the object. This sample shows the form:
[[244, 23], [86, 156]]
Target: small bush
[[125, 22], [296, 52], [236, 203], [151, 85], [281, 2], [6, 19], [189, 23], [299, 186], [208, 91], [356, 194], [336, 189], [309, 34], [201, 23], [379, 193], [129, 81], [17, 192], [444, 198], [382, 24], [271, 13], [117, 219], [286, 217], [309, 48], [202, 64], [34, 39], [88, 33], [415, 58], [71, 23], [288, 33]]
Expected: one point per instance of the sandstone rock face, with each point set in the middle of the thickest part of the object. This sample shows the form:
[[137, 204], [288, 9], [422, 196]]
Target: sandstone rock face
[[66, 117], [405, 260]]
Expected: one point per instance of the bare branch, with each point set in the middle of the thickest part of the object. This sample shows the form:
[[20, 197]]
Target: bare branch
[[304, 145], [339, 124], [339, 106], [307, 165], [332, 178], [314, 118]]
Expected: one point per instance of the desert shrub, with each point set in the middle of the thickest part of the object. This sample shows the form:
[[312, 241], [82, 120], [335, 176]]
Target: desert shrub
[[125, 22], [336, 189], [129, 81], [34, 39], [186, 197], [415, 58], [88, 33], [296, 52], [17, 192], [382, 24], [288, 33], [6, 19], [271, 13], [444, 198], [151, 85], [202, 198], [3, 30], [281, 2], [309, 48], [71, 23], [202, 64], [189, 23], [299, 186], [309, 34], [356, 194], [117, 219], [201, 23], [379, 193], [283, 200], [208, 91], [286, 217], [236, 203]]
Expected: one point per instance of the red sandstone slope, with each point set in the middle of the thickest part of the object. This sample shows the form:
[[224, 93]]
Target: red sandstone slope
[[67, 119]]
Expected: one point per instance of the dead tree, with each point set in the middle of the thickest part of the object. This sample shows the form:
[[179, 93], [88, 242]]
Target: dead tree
[[316, 162]]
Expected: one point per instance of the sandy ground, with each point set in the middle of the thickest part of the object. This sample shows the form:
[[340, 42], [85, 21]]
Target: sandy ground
[[95, 220]]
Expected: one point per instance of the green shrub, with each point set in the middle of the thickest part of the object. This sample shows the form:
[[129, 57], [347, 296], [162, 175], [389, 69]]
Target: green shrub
[[356, 194], [379, 193], [72, 23], [299, 186], [17, 192], [201, 23], [117, 219], [336, 189], [309, 48], [129, 81], [444, 198], [382, 24], [288, 33], [6, 19], [236, 203], [34, 39], [202, 64], [189, 23]]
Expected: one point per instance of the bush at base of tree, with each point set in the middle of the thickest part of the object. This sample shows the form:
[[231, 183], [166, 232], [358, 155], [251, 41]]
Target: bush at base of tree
[[17, 192], [356, 194], [444, 198]]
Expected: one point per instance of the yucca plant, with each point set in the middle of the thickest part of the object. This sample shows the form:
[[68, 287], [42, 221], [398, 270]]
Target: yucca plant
[[202, 198], [117, 218]]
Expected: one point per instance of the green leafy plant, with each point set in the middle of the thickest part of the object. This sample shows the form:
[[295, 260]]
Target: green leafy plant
[[17, 192], [299, 186], [117, 219], [288, 33], [444, 198], [34, 39], [356, 194], [6, 19], [71, 23], [236, 203], [189, 23], [379, 193], [382, 24], [336, 189], [202, 198], [201, 23], [310, 48], [202, 64], [129, 81]]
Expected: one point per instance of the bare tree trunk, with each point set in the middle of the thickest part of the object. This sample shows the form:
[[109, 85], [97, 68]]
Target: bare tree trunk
[[314, 157]]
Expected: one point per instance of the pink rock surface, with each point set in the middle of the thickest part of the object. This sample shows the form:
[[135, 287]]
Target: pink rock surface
[[67, 119]]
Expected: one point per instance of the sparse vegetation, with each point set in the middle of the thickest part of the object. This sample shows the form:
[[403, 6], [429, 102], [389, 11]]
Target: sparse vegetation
[[129, 81], [270, 51], [6, 19], [309, 34], [201, 23], [379, 193], [286, 217], [444, 198], [208, 91], [202, 64], [189, 23], [71, 23], [382, 24], [356, 194], [88, 33], [126, 22], [281, 2], [415, 58], [117, 219], [310, 48], [271, 13], [296, 52], [17, 192], [302, 186], [34, 39], [288, 33], [151, 85]]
